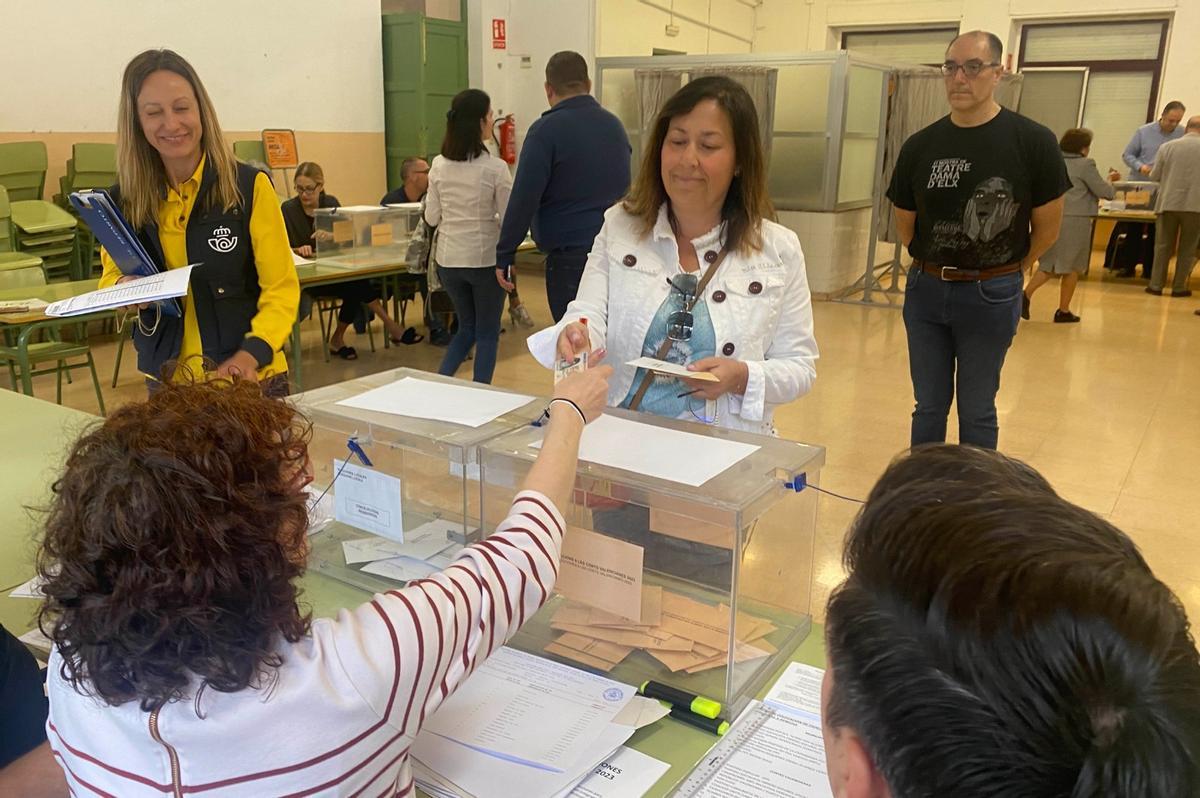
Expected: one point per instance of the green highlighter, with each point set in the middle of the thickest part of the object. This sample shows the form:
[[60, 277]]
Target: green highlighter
[[713, 725], [704, 707]]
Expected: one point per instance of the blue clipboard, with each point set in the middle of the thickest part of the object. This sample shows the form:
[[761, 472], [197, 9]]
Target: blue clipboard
[[112, 230]]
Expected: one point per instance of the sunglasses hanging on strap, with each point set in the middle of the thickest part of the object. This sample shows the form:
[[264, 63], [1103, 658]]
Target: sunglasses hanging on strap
[[679, 324]]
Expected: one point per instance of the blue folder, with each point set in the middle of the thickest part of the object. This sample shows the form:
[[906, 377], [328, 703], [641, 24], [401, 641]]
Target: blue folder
[[112, 230]]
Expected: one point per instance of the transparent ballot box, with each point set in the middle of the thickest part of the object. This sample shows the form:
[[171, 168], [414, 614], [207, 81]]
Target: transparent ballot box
[[409, 512], [688, 555], [365, 235], [1134, 195]]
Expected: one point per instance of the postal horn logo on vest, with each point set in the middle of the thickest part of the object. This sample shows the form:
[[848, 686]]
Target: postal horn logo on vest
[[223, 240]]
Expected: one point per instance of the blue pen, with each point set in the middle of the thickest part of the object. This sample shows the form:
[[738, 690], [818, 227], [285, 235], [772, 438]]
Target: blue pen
[[355, 449]]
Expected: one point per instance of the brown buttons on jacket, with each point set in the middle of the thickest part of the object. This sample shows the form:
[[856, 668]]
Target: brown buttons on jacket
[[718, 296], [629, 260], [727, 350], [710, 256], [756, 287]]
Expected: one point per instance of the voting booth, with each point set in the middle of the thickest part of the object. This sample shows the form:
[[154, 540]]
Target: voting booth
[[688, 556], [364, 235], [409, 511]]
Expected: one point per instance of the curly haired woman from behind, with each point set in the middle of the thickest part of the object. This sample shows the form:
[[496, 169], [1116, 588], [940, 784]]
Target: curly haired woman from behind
[[183, 662]]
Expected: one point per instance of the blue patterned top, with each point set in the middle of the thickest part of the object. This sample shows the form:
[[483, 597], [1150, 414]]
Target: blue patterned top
[[662, 397]]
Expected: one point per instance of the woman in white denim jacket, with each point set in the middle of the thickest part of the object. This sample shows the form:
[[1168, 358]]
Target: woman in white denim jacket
[[702, 185]]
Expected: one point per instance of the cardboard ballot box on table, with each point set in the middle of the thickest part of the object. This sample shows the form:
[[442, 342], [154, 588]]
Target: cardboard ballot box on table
[[412, 509], [365, 235], [688, 554]]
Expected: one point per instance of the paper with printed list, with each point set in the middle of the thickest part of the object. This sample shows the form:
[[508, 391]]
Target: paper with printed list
[[438, 401], [775, 749], [368, 500], [165, 285], [669, 454]]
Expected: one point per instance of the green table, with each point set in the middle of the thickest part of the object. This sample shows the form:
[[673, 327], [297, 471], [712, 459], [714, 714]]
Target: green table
[[36, 435]]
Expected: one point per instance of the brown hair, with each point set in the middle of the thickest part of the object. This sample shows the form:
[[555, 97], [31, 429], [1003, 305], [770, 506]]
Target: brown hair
[[1075, 140], [310, 169], [747, 202], [140, 171], [171, 545], [567, 73]]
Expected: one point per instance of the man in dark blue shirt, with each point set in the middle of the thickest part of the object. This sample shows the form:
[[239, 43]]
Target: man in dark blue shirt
[[574, 166]]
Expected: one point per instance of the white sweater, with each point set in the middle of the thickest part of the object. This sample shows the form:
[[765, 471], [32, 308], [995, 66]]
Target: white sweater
[[348, 700]]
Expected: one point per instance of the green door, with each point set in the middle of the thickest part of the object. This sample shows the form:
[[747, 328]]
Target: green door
[[424, 66]]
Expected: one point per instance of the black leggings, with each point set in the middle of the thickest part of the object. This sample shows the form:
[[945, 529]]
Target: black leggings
[[353, 296]]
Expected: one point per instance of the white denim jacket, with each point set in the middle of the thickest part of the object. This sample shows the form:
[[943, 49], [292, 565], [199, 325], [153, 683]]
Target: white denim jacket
[[760, 306]]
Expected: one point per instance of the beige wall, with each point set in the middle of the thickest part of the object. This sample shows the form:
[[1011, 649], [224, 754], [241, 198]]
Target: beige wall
[[353, 162]]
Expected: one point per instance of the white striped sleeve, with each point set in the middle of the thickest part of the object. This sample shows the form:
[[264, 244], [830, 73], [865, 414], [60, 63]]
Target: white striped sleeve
[[407, 650]]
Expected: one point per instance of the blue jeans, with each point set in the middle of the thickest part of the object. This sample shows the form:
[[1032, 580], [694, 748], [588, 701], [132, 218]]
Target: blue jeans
[[564, 270], [478, 302], [958, 330]]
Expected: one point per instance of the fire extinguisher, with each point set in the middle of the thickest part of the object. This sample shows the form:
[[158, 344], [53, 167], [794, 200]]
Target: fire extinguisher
[[506, 139]]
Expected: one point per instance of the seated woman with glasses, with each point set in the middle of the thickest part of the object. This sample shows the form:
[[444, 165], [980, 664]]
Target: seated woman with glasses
[[299, 214], [691, 269]]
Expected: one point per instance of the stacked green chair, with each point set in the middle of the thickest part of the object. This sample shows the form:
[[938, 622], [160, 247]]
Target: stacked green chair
[[42, 228], [55, 351], [10, 260], [250, 151], [91, 165]]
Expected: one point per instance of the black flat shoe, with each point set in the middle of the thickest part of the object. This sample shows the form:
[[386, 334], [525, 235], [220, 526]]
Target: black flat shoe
[[345, 353], [410, 337], [1155, 291], [1065, 317], [1185, 292], [1025, 306]]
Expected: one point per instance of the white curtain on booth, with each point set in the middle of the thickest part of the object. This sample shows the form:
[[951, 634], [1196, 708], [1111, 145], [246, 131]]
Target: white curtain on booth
[[759, 83]]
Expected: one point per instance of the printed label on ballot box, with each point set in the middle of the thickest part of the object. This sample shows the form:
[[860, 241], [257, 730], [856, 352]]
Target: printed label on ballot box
[[368, 500]]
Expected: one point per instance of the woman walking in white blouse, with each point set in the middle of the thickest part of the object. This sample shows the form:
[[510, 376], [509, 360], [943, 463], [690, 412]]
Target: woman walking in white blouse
[[468, 193]]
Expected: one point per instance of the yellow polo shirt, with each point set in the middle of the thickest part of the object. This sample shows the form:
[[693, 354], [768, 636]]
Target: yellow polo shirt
[[280, 298]]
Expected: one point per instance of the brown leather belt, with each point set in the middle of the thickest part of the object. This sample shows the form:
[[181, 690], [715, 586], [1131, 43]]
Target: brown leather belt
[[955, 274]]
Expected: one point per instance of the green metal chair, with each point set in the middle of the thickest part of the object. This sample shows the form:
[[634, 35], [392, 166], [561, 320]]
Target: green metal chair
[[9, 259], [23, 169], [23, 358], [250, 151], [47, 231], [91, 165]]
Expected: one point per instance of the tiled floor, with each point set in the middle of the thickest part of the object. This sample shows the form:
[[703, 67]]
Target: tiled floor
[[1108, 410]]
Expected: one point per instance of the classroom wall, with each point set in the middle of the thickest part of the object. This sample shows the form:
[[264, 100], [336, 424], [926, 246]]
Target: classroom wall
[[514, 77], [310, 65], [791, 25], [636, 27]]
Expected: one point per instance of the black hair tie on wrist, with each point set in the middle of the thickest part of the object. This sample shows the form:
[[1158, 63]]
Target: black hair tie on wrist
[[582, 417]]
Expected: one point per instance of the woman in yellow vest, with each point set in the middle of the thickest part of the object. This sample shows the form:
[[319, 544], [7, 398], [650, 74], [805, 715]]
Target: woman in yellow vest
[[192, 202]]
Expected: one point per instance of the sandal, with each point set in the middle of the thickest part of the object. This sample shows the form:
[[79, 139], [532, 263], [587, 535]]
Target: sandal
[[345, 353], [410, 337]]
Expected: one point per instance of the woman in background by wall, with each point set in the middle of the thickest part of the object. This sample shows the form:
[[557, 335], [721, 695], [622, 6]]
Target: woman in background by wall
[[468, 193], [299, 213], [1069, 256]]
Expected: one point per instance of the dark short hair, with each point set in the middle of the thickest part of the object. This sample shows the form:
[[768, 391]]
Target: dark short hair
[[747, 203], [567, 73], [172, 543], [994, 640], [1075, 140], [1174, 105], [407, 164], [464, 138], [995, 46]]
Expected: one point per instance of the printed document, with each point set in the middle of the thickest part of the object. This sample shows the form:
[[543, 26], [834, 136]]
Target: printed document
[[438, 401], [626, 774], [420, 543], [368, 500], [165, 285], [798, 687], [531, 711]]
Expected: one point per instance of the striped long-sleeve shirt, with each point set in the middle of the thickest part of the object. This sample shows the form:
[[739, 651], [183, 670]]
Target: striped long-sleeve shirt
[[348, 700]]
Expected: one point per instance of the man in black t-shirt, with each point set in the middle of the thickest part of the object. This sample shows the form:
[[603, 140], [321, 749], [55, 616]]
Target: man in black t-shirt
[[978, 198]]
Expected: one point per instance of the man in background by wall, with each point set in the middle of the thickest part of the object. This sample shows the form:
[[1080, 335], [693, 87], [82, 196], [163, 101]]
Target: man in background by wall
[[978, 198], [1177, 171], [414, 182], [1138, 245], [574, 165]]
